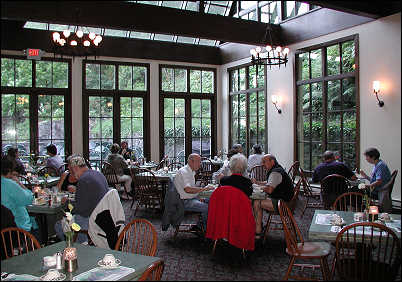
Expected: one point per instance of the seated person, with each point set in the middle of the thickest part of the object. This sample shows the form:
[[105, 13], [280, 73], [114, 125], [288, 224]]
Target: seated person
[[238, 148], [67, 181], [278, 186], [238, 165], [119, 164], [13, 156], [16, 197], [255, 158], [126, 152], [331, 166], [380, 175], [185, 186], [91, 187], [225, 169], [55, 160]]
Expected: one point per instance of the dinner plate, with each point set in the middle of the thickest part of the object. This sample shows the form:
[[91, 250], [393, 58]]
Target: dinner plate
[[40, 203], [102, 265], [60, 278]]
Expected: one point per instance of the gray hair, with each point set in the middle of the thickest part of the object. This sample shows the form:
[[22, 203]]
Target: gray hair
[[76, 160], [238, 163]]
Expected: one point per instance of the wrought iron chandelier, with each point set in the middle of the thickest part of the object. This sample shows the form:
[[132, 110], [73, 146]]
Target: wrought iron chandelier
[[271, 56], [76, 44]]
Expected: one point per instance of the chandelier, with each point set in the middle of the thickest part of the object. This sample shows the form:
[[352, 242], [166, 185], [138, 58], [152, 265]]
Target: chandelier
[[270, 55], [75, 44]]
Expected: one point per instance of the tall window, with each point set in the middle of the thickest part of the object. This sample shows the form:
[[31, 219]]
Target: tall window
[[35, 105], [247, 107], [186, 97], [116, 96], [327, 102]]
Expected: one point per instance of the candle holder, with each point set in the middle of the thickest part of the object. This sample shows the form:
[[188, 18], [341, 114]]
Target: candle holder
[[373, 211], [70, 259]]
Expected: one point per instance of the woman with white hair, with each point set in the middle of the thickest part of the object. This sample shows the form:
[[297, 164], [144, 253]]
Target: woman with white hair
[[238, 166]]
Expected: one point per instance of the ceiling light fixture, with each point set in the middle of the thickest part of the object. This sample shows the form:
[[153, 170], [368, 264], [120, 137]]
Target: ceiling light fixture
[[270, 55]]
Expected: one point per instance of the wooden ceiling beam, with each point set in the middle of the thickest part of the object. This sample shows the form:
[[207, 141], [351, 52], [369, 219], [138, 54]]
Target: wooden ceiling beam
[[140, 17]]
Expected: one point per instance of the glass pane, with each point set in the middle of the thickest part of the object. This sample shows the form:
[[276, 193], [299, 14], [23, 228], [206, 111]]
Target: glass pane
[[349, 93], [106, 106], [334, 127], [206, 127], [253, 103], [206, 147], [349, 155], [125, 128], [7, 72], [260, 76], [94, 107], [195, 81], [242, 73], [168, 107], [140, 78], [235, 105], [242, 131], [44, 74], [179, 109], [235, 81], [23, 73], [196, 127], [235, 130], [125, 106], [138, 130], [137, 107], [206, 108], [261, 104], [107, 127], [125, 78], [317, 130], [348, 56], [242, 106], [252, 77], [303, 150], [44, 126], [58, 128], [44, 106], [167, 79], [169, 127], [92, 76], [303, 67], [316, 63], [306, 128], [60, 75], [207, 82], [349, 126], [303, 98], [180, 80], [316, 97], [58, 106], [196, 108], [94, 128], [107, 77], [333, 60], [334, 95], [179, 129], [317, 152]]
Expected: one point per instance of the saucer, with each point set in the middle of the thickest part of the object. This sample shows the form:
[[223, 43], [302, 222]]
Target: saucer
[[60, 278], [116, 265]]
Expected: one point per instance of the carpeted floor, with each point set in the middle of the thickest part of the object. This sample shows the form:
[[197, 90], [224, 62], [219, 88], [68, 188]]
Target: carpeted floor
[[189, 257]]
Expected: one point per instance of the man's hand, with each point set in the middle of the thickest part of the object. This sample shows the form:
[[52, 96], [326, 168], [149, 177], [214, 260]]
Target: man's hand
[[268, 189], [71, 188], [253, 180]]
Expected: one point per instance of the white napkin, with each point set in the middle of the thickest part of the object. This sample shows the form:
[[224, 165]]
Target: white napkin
[[49, 261], [335, 229]]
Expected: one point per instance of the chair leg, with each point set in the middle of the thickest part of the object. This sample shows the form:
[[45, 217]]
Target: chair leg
[[292, 261], [332, 274], [304, 208], [267, 227], [325, 269], [213, 248]]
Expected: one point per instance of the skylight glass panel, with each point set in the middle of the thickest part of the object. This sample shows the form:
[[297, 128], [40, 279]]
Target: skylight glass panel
[[216, 10], [184, 39], [207, 42], [61, 27], [36, 25], [140, 35], [155, 3], [247, 4], [115, 32], [88, 29], [191, 6], [172, 4], [163, 37]]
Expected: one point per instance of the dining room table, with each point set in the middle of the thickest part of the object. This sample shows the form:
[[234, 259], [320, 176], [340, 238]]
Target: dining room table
[[29, 266], [323, 229]]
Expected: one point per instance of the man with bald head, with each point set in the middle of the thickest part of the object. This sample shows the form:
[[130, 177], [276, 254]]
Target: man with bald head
[[278, 186], [331, 166], [188, 191]]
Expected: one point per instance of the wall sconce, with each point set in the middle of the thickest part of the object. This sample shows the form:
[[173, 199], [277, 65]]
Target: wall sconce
[[376, 88], [276, 100]]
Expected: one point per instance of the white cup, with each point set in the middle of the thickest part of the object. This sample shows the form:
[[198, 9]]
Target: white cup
[[358, 216], [52, 274], [109, 260]]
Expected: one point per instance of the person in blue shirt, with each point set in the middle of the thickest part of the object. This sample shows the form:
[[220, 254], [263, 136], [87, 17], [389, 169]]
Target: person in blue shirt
[[15, 196], [380, 175]]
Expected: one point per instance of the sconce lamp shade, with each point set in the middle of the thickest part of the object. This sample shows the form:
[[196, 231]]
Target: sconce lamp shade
[[274, 99], [376, 86]]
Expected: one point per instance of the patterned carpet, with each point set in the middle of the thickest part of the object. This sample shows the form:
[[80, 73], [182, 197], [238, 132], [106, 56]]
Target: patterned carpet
[[189, 257]]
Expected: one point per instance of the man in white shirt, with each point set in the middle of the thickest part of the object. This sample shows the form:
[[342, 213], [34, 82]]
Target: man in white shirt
[[185, 186]]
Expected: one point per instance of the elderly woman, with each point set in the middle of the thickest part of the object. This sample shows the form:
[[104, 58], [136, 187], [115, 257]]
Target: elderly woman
[[238, 166]]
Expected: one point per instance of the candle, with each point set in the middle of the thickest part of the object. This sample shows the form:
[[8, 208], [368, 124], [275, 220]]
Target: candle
[[373, 210]]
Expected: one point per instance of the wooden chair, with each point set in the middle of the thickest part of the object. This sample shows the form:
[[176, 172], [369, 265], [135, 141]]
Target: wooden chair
[[52, 171], [258, 172], [384, 196], [312, 195], [294, 171], [333, 186], [378, 259], [204, 174], [162, 163], [18, 240], [147, 192], [350, 201], [297, 248], [174, 166], [291, 204], [110, 173], [153, 272], [138, 237]]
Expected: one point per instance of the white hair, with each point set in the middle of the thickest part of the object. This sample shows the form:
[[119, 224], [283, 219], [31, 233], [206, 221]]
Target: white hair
[[238, 163]]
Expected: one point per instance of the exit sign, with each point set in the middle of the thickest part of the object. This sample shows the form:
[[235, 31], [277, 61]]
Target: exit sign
[[34, 54]]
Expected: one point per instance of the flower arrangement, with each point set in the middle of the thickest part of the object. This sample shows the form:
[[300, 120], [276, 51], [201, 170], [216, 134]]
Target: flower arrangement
[[69, 226]]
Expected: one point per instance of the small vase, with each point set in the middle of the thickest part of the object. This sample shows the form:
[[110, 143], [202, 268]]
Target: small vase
[[69, 238]]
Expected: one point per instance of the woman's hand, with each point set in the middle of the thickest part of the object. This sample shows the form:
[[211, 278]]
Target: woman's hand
[[363, 173]]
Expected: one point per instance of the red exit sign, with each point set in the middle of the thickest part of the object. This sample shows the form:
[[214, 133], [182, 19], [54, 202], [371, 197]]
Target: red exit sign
[[34, 54]]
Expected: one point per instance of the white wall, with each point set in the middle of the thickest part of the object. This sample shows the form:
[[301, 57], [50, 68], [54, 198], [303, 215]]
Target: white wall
[[380, 59]]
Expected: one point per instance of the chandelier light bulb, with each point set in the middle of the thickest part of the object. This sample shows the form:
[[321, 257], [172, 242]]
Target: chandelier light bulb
[[268, 48], [56, 36], [62, 42], [286, 51], [73, 43], [99, 38], [66, 33], [80, 33], [96, 43], [87, 43], [278, 49], [92, 35], [258, 49]]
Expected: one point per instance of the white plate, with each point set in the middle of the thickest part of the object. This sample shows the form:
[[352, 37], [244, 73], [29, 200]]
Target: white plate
[[60, 278], [337, 224], [101, 264]]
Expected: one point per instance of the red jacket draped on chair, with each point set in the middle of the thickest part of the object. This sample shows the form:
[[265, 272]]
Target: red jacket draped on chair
[[230, 216]]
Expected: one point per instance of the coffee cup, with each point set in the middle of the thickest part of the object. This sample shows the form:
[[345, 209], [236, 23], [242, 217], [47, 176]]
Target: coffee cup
[[385, 216], [52, 274], [109, 260], [358, 216]]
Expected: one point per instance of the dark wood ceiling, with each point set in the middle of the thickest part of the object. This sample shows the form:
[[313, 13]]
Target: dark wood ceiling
[[148, 18]]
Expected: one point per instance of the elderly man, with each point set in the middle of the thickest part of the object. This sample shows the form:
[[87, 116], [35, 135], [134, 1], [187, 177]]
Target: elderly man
[[331, 166], [91, 187], [185, 186], [278, 186]]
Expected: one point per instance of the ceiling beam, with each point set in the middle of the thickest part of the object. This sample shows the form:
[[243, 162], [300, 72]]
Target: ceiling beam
[[371, 9], [140, 17]]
